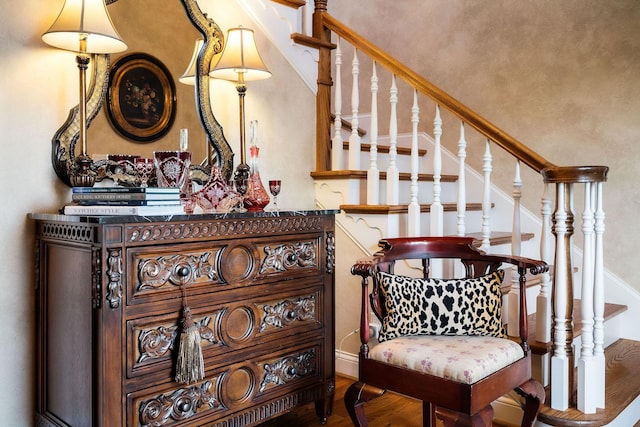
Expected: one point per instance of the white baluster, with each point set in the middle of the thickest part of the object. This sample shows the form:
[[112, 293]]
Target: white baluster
[[598, 300], [486, 198], [462, 183], [306, 18], [393, 175], [436, 215], [543, 300], [436, 211], [413, 226], [562, 359], [516, 237], [337, 149], [513, 306], [586, 380], [354, 138], [373, 174]]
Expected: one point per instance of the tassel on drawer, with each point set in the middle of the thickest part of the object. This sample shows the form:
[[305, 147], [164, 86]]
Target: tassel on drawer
[[189, 363]]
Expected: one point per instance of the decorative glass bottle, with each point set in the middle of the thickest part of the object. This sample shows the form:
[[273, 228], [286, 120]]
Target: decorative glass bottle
[[256, 197]]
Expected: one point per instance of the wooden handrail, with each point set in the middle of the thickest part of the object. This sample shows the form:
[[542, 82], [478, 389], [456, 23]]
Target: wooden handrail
[[575, 174], [483, 126]]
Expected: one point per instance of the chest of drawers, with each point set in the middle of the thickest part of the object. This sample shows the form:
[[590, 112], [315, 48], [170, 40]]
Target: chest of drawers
[[110, 292]]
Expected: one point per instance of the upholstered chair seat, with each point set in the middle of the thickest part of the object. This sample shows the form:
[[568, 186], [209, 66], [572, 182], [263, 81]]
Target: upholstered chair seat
[[464, 359]]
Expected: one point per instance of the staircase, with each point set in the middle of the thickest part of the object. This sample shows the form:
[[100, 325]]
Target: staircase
[[408, 184]]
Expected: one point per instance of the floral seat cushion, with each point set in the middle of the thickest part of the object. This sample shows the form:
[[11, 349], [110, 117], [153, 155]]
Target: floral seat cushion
[[464, 359]]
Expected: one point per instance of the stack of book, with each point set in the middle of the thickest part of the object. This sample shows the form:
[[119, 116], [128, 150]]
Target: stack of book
[[124, 201]]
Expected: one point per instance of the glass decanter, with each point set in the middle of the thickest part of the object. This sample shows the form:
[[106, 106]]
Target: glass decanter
[[256, 197]]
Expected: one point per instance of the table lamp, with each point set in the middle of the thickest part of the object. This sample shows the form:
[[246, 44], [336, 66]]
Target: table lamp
[[189, 75], [84, 26], [240, 62]]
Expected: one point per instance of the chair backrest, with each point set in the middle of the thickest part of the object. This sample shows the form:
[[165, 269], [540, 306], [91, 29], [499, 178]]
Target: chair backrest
[[427, 249]]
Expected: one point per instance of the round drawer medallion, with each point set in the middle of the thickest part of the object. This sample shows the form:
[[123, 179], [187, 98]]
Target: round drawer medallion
[[238, 263]]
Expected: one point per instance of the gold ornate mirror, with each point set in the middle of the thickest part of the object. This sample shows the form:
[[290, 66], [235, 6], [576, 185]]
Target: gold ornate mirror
[[221, 155]]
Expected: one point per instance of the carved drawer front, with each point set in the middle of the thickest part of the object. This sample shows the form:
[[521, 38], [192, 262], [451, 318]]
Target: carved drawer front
[[272, 384], [162, 273], [227, 330]]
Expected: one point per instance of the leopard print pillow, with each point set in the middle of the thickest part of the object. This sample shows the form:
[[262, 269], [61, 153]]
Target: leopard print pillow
[[441, 307]]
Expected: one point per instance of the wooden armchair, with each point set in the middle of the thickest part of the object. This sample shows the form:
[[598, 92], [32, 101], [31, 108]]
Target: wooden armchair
[[442, 341]]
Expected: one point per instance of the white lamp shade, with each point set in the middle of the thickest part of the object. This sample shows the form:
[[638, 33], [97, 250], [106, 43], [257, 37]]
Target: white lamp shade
[[240, 56], [84, 18], [189, 75]]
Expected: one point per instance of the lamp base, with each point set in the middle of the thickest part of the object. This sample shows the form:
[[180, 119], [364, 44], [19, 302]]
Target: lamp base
[[82, 175]]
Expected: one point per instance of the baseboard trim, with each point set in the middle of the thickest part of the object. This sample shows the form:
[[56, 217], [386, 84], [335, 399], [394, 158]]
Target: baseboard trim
[[507, 410], [346, 364]]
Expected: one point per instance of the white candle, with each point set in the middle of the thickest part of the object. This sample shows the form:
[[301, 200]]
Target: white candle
[[184, 139]]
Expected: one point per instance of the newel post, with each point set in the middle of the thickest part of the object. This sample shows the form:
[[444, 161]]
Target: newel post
[[323, 97], [591, 373]]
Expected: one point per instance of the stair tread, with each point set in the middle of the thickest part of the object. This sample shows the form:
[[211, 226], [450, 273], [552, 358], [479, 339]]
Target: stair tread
[[361, 174], [622, 388], [398, 209], [537, 347], [498, 237], [385, 149]]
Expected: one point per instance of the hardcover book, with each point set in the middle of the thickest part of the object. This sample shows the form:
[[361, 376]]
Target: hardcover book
[[126, 190], [109, 197], [98, 210], [143, 202]]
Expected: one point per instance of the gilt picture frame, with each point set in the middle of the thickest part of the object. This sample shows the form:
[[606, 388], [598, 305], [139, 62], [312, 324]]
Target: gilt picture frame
[[141, 98]]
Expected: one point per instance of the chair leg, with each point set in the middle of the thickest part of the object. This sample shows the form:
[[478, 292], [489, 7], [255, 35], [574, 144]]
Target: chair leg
[[534, 396], [354, 399], [428, 414]]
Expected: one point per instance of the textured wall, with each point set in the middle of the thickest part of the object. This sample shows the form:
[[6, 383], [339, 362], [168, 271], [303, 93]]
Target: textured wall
[[560, 76], [38, 86]]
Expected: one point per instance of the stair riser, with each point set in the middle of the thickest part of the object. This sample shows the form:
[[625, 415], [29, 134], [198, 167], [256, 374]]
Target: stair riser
[[448, 192], [370, 228], [403, 161], [356, 191]]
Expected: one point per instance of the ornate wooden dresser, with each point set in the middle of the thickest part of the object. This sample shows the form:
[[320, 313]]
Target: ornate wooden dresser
[[109, 298]]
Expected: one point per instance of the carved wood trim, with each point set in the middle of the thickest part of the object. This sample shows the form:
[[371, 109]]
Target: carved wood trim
[[221, 228], [270, 409], [96, 277], [156, 341], [179, 405], [176, 270], [330, 242], [288, 311], [289, 256], [287, 369], [67, 232], [114, 278]]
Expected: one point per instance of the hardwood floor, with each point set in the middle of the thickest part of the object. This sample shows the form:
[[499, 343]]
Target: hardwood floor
[[389, 410]]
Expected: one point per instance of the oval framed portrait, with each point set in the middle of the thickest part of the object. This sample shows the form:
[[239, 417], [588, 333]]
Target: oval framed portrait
[[141, 99]]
